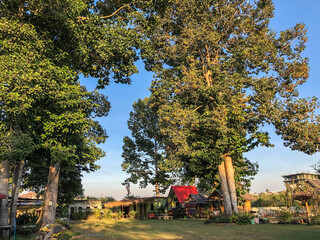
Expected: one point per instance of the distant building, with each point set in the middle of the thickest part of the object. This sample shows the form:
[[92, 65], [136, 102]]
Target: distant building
[[144, 207], [300, 178]]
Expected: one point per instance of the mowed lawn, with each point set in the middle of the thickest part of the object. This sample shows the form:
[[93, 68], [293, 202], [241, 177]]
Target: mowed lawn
[[188, 229]]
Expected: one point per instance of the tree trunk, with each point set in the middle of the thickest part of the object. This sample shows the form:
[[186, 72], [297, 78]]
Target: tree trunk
[[4, 186], [156, 167], [51, 194], [225, 190], [157, 189], [16, 183], [231, 185]]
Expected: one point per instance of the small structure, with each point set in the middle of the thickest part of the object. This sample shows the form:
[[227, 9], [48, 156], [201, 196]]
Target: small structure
[[84, 205], [303, 187], [29, 201], [215, 201], [145, 207], [247, 199], [178, 194], [195, 204], [299, 178]]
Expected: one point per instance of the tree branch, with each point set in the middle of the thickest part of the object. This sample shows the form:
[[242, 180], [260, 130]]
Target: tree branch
[[108, 16]]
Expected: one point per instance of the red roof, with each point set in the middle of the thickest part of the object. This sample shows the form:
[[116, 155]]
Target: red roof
[[2, 196], [182, 192], [31, 195]]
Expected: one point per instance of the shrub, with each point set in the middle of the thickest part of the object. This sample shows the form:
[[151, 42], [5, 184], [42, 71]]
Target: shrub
[[238, 218], [132, 215], [27, 229], [78, 216], [63, 222], [106, 213], [178, 213], [27, 218], [96, 214], [285, 217], [315, 219], [117, 215]]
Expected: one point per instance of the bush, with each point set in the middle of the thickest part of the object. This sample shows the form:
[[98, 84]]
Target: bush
[[78, 216], [27, 229], [63, 222], [96, 214], [285, 217], [27, 218], [241, 219], [117, 215], [106, 213], [315, 219], [178, 213], [238, 218], [132, 215]]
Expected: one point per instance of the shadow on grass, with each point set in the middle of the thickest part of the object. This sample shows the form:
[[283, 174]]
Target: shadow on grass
[[189, 229]]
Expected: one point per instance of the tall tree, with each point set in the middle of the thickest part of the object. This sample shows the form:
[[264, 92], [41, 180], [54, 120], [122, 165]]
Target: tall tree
[[143, 154], [221, 75], [44, 46]]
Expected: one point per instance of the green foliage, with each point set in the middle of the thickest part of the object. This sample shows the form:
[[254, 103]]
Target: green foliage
[[106, 213], [63, 222], [143, 154], [118, 215], [79, 216], [271, 200], [97, 214], [221, 74], [178, 212], [132, 215], [27, 218], [285, 216], [315, 219], [239, 218], [27, 229]]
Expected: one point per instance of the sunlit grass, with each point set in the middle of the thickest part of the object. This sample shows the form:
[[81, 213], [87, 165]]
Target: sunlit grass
[[188, 229]]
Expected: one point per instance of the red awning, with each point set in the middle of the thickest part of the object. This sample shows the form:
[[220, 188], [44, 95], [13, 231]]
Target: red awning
[[2, 196]]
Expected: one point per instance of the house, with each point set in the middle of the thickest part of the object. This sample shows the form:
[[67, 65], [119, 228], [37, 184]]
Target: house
[[215, 201], [84, 205], [28, 201], [145, 207], [178, 194], [195, 204]]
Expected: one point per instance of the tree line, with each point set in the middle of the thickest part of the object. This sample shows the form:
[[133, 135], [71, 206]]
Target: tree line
[[221, 74]]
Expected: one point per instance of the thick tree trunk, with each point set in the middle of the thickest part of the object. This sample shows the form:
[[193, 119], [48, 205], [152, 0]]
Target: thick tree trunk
[[225, 190], [4, 186], [51, 194], [231, 185], [16, 183]]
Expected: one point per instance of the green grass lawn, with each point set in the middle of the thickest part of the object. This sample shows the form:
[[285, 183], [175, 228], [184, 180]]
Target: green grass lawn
[[188, 229], [183, 229]]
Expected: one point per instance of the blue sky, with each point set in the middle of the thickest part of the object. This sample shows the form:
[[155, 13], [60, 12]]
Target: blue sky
[[273, 162]]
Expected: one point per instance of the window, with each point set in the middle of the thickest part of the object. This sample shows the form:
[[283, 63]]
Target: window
[[152, 207], [175, 199], [134, 207], [72, 209], [80, 209]]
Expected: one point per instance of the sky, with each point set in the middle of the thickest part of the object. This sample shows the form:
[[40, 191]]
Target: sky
[[273, 162]]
